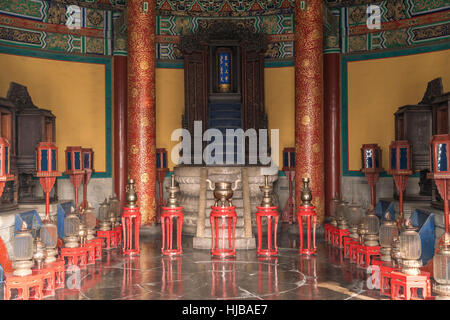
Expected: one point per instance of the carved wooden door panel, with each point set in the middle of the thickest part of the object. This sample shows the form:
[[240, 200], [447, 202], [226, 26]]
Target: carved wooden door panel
[[196, 89], [252, 90]]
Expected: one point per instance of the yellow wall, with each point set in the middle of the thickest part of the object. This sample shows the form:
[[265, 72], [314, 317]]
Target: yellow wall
[[378, 87], [73, 91], [169, 107], [279, 99]]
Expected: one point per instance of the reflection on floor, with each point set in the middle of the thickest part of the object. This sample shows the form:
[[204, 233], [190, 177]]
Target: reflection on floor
[[196, 275]]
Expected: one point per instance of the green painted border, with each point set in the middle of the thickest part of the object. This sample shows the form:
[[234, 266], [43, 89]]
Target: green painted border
[[108, 91], [344, 92]]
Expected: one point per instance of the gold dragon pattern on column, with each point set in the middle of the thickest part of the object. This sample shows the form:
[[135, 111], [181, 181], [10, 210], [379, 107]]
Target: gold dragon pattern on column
[[309, 158], [141, 105]]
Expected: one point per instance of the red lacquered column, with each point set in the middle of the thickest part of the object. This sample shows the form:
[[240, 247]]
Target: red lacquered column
[[120, 127], [308, 100], [141, 105], [332, 142]]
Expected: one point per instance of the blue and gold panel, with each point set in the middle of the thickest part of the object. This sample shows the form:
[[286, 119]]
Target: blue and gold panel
[[77, 156], [224, 73], [54, 160], [44, 160]]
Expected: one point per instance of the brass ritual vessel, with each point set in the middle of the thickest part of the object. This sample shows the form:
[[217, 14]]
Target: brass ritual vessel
[[396, 259], [40, 253], [131, 195], [105, 223], [223, 192], [267, 190], [306, 194], [82, 233], [172, 202]]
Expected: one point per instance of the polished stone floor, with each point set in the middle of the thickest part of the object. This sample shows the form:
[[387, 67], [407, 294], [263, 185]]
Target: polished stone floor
[[195, 275]]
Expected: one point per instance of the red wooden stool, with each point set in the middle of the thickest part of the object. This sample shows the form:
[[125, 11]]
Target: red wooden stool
[[331, 231], [167, 216], [353, 250], [410, 285], [364, 253], [327, 228], [118, 231], [131, 219], [60, 273], [224, 213], [347, 241], [110, 238], [333, 235], [385, 278], [48, 280], [270, 213], [75, 256], [338, 239], [374, 271], [90, 252], [28, 287], [308, 213], [98, 244]]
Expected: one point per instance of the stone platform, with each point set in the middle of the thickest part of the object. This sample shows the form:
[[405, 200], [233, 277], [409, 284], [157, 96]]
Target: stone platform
[[197, 199]]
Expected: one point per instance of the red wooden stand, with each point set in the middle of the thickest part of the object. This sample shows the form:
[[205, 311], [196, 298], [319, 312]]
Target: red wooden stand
[[364, 253], [90, 252], [76, 179], [110, 237], [338, 237], [75, 256], [47, 184], [161, 202], [60, 273], [328, 231], [353, 251], [270, 213], [97, 243], [167, 224], [29, 287], [87, 177], [409, 284], [386, 269], [289, 210], [225, 214], [307, 213], [118, 235], [347, 241], [375, 266], [131, 218]]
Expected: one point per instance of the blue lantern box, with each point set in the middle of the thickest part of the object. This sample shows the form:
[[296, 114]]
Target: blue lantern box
[[74, 160], [288, 159]]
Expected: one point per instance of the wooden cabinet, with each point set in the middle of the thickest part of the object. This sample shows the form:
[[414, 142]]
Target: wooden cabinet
[[29, 126], [414, 123], [9, 198]]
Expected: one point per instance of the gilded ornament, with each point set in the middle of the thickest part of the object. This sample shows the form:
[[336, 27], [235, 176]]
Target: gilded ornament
[[143, 65], [316, 148], [134, 149], [306, 120], [134, 92], [144, 177]]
